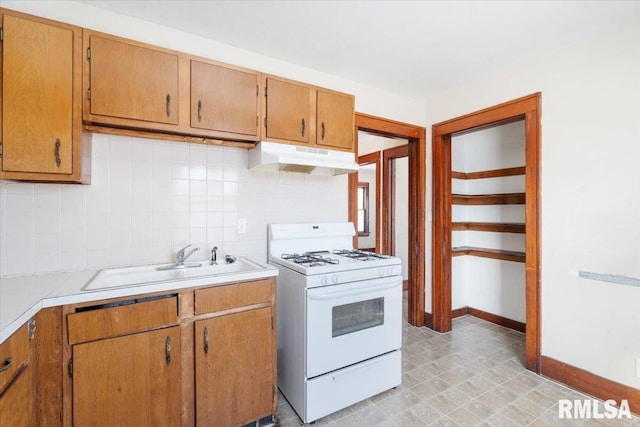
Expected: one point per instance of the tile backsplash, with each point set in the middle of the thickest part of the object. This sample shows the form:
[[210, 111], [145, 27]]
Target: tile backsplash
[[147, 199]]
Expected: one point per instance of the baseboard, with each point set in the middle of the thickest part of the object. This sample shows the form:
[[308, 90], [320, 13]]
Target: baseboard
[[459, 312], [589, 383], [498, 320], [489, 317], [428, 320]]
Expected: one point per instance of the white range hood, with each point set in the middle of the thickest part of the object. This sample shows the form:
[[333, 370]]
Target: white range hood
[[293, 158]]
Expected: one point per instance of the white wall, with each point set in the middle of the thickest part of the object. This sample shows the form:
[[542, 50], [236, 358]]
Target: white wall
[[590, 204], [149, 197], [401, 230], [367, 173], [490, 285]]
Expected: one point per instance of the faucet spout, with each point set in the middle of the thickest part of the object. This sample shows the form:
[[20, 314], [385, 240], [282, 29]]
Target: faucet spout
[[181, 257]]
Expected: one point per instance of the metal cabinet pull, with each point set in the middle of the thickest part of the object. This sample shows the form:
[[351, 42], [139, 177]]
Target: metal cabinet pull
[[6, 364], [206, 340], [199, 111], [168, 105], [57, 152], [168, 350], [322, 131], [303, 126]]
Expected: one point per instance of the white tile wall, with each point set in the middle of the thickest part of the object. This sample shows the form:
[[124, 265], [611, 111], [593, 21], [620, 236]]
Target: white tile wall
[[147, 199]]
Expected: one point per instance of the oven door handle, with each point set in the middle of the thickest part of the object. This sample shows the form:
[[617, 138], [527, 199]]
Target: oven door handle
[[333, 295]]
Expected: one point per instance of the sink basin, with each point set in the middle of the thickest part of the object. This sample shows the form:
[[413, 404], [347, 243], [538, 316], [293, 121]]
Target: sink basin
[[150, 274]]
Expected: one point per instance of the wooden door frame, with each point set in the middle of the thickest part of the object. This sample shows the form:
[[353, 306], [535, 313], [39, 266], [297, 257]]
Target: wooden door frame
[[417, 190], [374, 159], [529, 109], [389, 195]]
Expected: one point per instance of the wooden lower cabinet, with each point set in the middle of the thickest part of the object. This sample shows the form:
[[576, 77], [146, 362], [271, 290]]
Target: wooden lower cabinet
[[234, 368], [132, 380], [17, 400]]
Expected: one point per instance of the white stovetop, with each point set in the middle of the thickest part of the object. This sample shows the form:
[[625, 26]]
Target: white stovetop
[[21, 297]]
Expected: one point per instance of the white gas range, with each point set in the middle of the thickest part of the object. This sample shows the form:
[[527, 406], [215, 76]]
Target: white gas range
[[339, 318]]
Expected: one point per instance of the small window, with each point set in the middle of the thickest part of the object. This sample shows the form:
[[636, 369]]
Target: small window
[[363, 209]]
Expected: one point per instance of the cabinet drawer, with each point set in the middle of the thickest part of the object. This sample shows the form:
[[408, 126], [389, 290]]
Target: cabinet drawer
[[225, 297], [134, 316], [13, 354]]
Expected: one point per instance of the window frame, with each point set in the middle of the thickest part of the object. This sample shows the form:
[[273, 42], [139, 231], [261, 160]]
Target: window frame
[[365, 207]]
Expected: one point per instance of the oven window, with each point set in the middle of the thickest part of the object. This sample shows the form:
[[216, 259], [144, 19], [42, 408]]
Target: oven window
[[357, 316]]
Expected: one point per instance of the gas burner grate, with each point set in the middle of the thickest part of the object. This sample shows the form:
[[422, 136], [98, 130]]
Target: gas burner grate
[[309, 259], [359, 255]]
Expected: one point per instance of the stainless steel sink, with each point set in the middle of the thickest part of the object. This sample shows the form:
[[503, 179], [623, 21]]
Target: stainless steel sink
[[149, 274]]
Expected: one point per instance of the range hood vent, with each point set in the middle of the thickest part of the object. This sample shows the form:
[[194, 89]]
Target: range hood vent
[[293, 158]]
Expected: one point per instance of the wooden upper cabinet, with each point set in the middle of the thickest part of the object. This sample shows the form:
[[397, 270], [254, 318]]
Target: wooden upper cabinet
[[224, 100], [289, 111], [130, 84], [302, 114], [335, 124], [41, 100]]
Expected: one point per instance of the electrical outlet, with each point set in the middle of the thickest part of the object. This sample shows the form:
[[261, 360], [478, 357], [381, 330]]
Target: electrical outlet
[[242, 226], [638, 366]]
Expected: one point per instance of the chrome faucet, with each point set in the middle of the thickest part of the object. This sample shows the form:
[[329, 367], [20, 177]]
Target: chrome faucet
[[181, 257], [214, 256]]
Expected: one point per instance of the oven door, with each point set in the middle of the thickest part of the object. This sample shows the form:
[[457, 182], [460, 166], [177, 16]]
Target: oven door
[[352, 322]]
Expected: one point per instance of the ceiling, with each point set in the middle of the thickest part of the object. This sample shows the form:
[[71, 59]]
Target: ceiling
[[412, 48]]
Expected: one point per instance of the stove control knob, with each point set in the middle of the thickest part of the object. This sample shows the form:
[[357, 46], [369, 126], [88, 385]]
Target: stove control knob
[[390, 271], [381, 272], [324, 280], [334, 279]]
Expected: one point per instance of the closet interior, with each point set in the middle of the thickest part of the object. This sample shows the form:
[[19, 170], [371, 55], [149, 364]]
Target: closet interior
[[488, 224]]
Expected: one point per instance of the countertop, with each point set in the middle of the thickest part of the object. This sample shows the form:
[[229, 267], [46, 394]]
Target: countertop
[[21, 297]]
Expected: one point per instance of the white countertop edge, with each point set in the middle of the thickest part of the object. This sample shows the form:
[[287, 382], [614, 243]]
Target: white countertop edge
[[68, 290], [12, 327]]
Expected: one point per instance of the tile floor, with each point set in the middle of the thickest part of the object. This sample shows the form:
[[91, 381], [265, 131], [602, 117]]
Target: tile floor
[[472, 376]]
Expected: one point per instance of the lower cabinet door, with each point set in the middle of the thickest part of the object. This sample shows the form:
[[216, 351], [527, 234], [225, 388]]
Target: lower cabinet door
[[133, 380], [234, 368], [17, 407]]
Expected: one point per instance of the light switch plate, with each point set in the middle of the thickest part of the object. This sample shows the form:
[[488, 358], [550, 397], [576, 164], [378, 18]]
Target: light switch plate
[[242, 226]]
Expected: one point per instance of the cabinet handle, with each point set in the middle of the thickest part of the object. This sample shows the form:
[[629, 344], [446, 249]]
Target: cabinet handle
[[168, 105], [6, 364], [206, 340], [322, 131], [199, 111], [168, 350], [57, 152], [303, 126]]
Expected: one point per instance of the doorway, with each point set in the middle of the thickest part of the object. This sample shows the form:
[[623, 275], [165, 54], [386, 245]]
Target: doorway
[[527, 109], [415, 135]]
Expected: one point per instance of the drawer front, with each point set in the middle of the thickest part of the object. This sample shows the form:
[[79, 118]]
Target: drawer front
[[13, 354], [102, 323], [225, 297]]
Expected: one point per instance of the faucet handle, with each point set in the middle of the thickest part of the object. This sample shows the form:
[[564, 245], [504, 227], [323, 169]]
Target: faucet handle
[[180, 253]]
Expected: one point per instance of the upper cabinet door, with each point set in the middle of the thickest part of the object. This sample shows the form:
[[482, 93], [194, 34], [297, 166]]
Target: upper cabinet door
[[224, 99], [290, 111], [335, 124], [37, 96], [131, 81]]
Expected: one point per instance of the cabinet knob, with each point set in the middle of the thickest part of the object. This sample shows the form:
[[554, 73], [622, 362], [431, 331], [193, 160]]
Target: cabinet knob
[[168, 350], [57, 152], [199, 111], [206, 340], [168, 105], [322, 136], [6, 364], [303, 126]]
